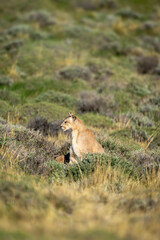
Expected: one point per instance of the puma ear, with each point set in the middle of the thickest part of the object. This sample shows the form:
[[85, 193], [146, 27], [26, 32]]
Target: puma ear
[[72, 115]]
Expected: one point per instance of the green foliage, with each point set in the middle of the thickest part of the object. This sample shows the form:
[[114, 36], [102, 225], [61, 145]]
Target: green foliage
[[57, 97], [84, 168], [10, 96], [51, 111], [5, 108], [96, 120], [139, 90]]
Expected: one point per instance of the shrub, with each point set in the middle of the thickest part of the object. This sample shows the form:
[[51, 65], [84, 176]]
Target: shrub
[[18, 29], [148, 26], [138, 89], [50, 111], [137, 119], [91, 102], [153, 42], [30, 148], [155, 100], [146, 160], [74, 72], [57, 97], [147, 64], [151, 111], [139, 135], [13, 46], [129, 13], [43, 17], [113, 47], [96, 120], [78, 31], [46, 128], [5, 81]]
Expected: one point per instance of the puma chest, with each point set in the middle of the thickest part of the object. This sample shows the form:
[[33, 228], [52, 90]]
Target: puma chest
[[75, 143]]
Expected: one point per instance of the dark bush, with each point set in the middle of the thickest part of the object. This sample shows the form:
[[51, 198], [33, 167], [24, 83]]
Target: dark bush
[[13, 46], [46, 128], [129, 13], [91, 102], [147, 64]]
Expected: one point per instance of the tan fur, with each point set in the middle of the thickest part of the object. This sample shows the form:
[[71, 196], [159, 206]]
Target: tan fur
[[60, 159], [83, 139]]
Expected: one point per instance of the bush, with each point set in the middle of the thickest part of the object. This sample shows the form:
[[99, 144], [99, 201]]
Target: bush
[[146, 160], [74, 72], [96, 120], [129, 13], [137, 119], [147, 64], [30, 148], [18, 29], [153, 42], [151, 111], [13, 46], [46, 128], [57, 97], [78, 31], [91, 102], [50, 111], [138, 89], [5, 81], [113, 47], [42, 17]]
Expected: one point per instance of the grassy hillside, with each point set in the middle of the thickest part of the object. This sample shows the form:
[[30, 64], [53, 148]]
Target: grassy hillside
[[101, 60]]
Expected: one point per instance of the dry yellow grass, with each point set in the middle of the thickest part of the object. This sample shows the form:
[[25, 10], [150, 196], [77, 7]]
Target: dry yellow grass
[[108, 201]]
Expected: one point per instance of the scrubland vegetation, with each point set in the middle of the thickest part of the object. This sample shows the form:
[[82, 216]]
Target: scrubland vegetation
[[101, 60]]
